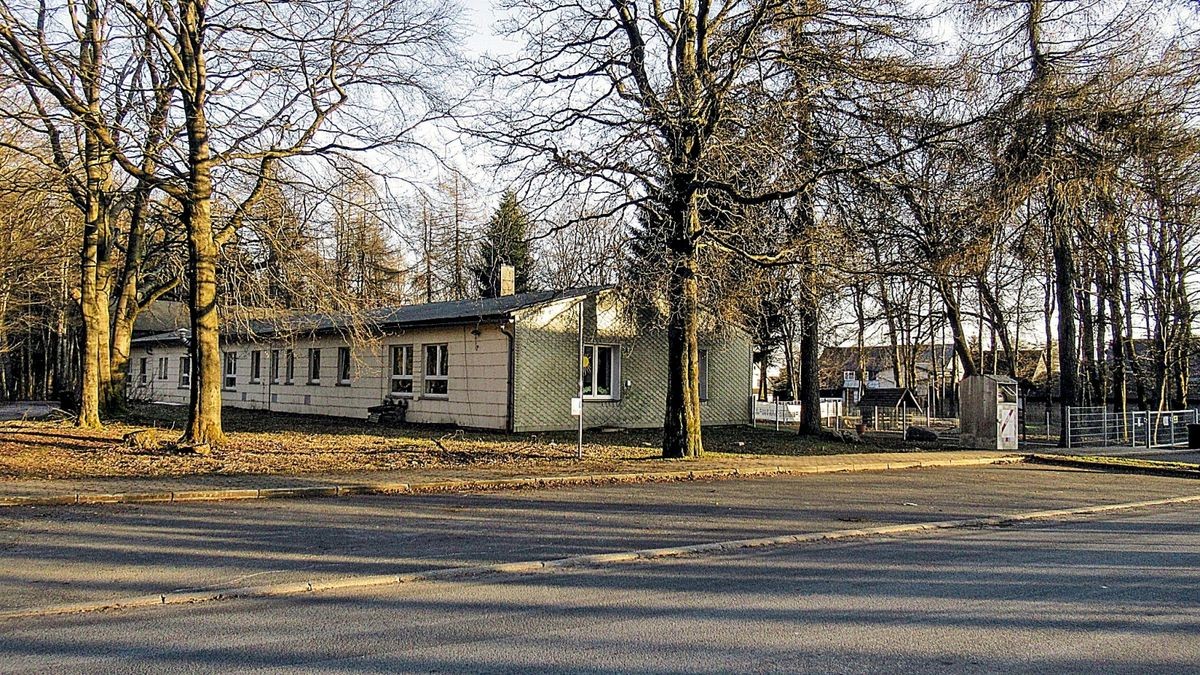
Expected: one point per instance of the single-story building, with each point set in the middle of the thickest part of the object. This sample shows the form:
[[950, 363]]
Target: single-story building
[[507, 363]]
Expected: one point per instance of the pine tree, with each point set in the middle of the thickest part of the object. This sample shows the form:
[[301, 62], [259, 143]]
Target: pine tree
[[505, 242]]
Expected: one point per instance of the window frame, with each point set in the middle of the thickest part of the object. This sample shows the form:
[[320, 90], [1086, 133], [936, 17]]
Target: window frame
[[314, 366], [163, 368], [614, 372], [441, 369], [185, 371], [229, 370], [344, 367], [401, 377], [289, 367], [274, 366], [256, 366], [143, 364]]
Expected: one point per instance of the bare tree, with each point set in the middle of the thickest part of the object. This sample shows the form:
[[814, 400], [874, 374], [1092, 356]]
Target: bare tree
[[255, 83]]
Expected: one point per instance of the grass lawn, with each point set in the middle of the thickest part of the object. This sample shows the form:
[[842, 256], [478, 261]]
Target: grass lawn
[[277, 443]]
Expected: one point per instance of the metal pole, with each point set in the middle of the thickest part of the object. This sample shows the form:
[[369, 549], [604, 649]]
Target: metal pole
[[579, 446], [1047, 421], [776, 413]]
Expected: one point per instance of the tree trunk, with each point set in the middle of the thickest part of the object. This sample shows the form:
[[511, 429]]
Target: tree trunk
[[204, 419], [810, 376], [1064, 284], [962, 349], [681, 426]]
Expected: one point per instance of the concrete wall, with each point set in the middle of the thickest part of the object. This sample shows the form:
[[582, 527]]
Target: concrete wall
[[477, 385], [546, 370]]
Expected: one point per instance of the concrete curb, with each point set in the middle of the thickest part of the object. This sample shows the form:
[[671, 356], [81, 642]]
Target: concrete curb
[[588, 560], [338, 490], [1099, 464]]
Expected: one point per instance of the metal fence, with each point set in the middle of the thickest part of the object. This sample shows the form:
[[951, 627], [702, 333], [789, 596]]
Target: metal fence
[[835, 416], [1097, 426], [783, 413]]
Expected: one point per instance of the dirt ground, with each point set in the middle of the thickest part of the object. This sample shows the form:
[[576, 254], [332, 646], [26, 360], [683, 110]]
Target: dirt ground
[[276, 443]]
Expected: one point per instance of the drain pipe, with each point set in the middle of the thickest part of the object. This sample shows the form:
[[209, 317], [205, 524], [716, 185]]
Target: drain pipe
[[512, 385]]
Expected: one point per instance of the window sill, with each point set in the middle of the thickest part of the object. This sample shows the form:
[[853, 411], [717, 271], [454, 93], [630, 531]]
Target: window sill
[[435, 397], [600, 399], [342, 384], [315, 383], [401, 394]]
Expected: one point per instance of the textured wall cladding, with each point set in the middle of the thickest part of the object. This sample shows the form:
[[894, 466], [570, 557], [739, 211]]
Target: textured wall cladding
[[478, 379], [546, 373]]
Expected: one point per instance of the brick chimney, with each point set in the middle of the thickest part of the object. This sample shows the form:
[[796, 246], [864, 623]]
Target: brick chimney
[[508, 282]]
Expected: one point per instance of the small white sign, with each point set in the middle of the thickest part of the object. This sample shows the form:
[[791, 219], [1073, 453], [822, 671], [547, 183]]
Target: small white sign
[[576, 407]]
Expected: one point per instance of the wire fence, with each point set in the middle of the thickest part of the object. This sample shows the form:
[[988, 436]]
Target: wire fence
[[1098, 426]]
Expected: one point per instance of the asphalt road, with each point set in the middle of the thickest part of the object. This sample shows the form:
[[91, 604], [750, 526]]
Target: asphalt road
[[57, 555], [1114, 594]]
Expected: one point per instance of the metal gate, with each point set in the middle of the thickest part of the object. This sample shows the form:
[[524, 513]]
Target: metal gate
[[1097, 426]]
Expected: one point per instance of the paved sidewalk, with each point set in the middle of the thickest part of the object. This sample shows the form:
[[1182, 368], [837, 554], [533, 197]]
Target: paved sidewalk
[[244, 486]]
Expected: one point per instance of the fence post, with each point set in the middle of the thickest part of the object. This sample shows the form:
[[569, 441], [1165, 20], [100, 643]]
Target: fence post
[[776, 414], [876, 423], [1067, 426], [1149, 439], [1104, 424]]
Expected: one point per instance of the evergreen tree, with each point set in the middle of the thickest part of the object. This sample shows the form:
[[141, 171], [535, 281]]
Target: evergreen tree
[[505, 242]]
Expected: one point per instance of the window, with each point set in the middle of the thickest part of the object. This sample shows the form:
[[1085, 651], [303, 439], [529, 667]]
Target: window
[[703, 374], [849, 376], [274, 366], [437, 371], [230, 370], [289, 370], [185, 371], [314, 366], [601, 378], [343, 366], [142, 369], [255, 366], [162, 367], [402, 369]]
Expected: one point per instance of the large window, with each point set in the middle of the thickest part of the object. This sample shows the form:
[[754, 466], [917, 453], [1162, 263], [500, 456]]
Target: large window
[[230, 370], [185, 371], [274, 366], [289, 371], [402, 369], [343, 365], [601, 371], [314, 366], [437, 370], [255, 366], [162, 367], [142, 370]]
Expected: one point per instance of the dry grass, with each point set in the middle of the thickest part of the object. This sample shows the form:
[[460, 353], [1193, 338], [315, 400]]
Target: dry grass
[[274, 443]]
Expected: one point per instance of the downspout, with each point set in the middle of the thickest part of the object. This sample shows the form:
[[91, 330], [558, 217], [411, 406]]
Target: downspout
[[511, 335]]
